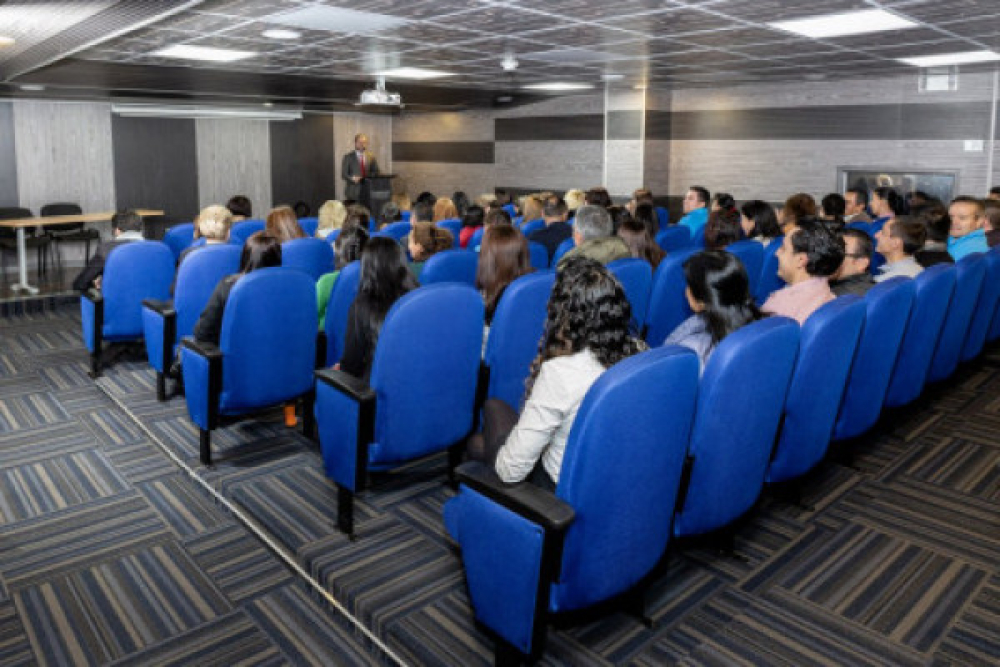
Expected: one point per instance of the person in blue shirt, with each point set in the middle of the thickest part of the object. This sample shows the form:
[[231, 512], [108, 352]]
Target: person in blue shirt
[[968, 233], [695, 209]]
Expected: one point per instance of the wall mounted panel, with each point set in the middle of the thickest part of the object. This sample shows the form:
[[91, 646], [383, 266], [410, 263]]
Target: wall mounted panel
[[8, 159], [234, 157], [302, 161]]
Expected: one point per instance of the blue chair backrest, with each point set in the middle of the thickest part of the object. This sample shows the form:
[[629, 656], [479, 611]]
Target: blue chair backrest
[[309, 225], [539, 255], [623, 504], [969, 274], [345, 289], [663, 217], [827, 344], [133, 272], [407, 384], [450, 266], [243, 230], [636, 278], [674, 238], [562, 249], [933, 290], [982, 323], [312, 256], [532, 226], [477, 239], [268, 339], [511, 209], [668, 306], [332, 237], [178, 238], [405, 215], [887, 309], [769, 281], [395, 230], [514, 335], [454, 226], [740, 401], [196, 280], [751, 253], [698, 238]]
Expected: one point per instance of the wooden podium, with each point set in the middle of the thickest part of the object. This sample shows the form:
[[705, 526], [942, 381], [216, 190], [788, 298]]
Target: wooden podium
[[376, 191]]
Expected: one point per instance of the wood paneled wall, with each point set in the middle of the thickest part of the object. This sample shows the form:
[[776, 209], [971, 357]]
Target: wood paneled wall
[[234, 157]]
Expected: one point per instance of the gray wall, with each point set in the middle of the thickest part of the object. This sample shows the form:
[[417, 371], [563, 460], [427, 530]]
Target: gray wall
[[8, 164], [234, 157]]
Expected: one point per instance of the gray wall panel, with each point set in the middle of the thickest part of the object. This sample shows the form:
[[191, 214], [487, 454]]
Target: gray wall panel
[[156, 165], [234, 157], [625, 124], [8, 159], [453, 152], [302, 161], [587, 127]]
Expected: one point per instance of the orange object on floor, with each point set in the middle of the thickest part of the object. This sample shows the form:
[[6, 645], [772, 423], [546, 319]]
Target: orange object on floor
[[291, 421]]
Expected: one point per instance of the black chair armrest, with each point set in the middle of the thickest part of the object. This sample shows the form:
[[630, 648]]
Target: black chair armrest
[[345, 383], [524, 498], [320, 350], [201, 348], [94, 296], [164, 308]]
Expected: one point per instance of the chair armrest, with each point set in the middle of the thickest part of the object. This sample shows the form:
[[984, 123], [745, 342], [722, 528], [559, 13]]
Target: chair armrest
[[320, 350], [526, 499], [201, 348], [164, 308], [347, 384]]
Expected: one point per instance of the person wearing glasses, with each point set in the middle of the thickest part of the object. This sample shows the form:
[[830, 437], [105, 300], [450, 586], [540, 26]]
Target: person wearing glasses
[[853, 276]]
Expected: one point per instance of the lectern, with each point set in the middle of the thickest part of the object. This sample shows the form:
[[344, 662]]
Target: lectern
[[376, 191]]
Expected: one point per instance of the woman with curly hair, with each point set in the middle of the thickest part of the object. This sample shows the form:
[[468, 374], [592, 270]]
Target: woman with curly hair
[[586, 332]]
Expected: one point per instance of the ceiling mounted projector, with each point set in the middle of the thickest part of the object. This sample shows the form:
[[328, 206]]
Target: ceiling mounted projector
[[379, 97]]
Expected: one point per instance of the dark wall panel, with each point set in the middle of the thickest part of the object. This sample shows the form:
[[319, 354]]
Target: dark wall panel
[[452, 152], [8, 162], [302, 161], [625, 125], [156, 165], [550, 128], [658, 125]]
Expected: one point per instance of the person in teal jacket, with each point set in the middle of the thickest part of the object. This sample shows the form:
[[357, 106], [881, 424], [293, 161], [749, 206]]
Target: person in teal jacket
[[695, 209], [968, 221]]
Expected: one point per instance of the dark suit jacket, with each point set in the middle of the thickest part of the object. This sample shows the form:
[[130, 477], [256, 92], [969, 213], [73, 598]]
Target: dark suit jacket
[[350, 166], [95, 266]]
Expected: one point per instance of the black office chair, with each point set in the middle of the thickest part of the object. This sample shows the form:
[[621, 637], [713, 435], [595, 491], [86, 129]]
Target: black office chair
[[8, 238], [68, 233]]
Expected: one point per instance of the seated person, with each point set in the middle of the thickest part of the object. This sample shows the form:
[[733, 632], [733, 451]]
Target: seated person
[[598, 196], [639, 241], [718, 292], [503, 258], [347, 248], [126, 226], [646, 214], [556, 230], [934, 216], [800, 206], [331, 216], [260, 251], [968, 222], [992, 207], [213, 225], [587, 331], [472, 222], [444, 209], [240, 207], [426, 240], [722, 229], [640, 196], [722, 201], [759, 222], [390, 214], [853, 276], [532, 208], [592, 233], [808, 256], [575, 198], [283, 225], [695, 209], [384, 278], [898, 239], [856, 205], [832, 210]]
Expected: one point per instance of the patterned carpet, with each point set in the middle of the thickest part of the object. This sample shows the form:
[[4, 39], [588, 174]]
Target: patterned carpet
[[125, 558]]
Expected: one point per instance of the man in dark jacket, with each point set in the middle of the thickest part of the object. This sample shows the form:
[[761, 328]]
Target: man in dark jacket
[[126, 226]]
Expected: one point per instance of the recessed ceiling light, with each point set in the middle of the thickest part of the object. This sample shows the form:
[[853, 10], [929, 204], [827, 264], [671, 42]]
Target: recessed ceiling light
[[189, 52], [850, 23], [612, 77], [413, 73], [269, 104], [558, 86], [337, 19], [31, 87], [952, 59], [281, 33]]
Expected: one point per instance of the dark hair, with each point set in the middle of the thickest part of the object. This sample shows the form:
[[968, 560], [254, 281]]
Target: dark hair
[[503, 258], [598, 197], [703, 195], [423, 211], [834, 206], [555, 207], [723, 228], [127, 221], [765, 222], [642, 196], [240, 205], [934, 215], [281, 222], [587, 310], [640, 242], [646, 214], [892, 198], [349, 245], [426, 198], [966, 199], [497, 216], [301, 209], [725, 201], [390, 214], [913, 232], [799, 206], [860, 194], [824, 250], [619, 214], [461, 202], [865, 245], [431, 238], [995, 190], [719, 280], [474, 216], [384, 278], [260, 251]]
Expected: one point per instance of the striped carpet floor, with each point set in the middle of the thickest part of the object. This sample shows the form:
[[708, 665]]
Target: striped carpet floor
[[896, 562]]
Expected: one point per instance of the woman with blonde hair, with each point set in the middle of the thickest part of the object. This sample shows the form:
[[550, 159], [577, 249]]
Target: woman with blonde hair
[[444, 209], [213, 225], [574, 199], [531, 208], [402, 201], [331, 217], [283, 225]]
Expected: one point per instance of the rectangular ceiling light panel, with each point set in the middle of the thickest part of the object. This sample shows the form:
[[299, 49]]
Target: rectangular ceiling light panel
[[944, 59], [850, 23], [336, 19], [206, 53]]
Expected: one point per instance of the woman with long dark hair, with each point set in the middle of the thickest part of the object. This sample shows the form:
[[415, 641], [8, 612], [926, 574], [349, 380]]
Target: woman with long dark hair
[[759, 221], [384, 278], [347, 248], [587, 330], [472, 222], [640, 243], [718, 292], [503, 259]]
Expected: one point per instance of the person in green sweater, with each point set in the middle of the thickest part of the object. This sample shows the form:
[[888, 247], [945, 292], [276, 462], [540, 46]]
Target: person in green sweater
[[347, 249]]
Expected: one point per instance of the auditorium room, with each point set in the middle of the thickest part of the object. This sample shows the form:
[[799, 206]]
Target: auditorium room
[[499, 332]]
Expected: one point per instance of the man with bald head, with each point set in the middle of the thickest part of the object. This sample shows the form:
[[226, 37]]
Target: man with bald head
[[357, 165]]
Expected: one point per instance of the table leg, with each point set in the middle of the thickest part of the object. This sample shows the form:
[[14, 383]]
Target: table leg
[[22, 265]]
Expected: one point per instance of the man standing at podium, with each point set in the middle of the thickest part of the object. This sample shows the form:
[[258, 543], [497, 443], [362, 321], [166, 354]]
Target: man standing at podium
[[356, 165]]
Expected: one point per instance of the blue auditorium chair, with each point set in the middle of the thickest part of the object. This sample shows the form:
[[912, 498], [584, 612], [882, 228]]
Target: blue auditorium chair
[[673, 238], [662, 217], [528, 552], [668, 306], [395, 230], [769, 281], [266, 353], [532, 226], [539, 255], [511, 209], [243, 230], [887, 310], [740, 402], [514, 335], [133, 272], [751, 254], [969, 274], [310, 255], [698, 238], [985, 309], [178, 238], [933, 290], [405, 215], [636, 278], [827, 343], [309, 225], [476, 240], [562, 249], [455, 265], [415, 404], [165, 323], [345, 289], [453, 225]]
